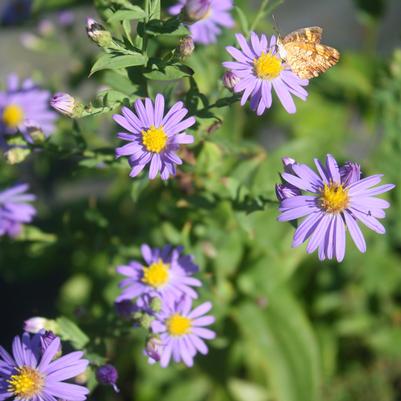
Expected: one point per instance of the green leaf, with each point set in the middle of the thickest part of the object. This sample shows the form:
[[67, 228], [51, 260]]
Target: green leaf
[[170, 27], [69, 331], [169, 72], [134, 14], [110, 61], [280, 343]]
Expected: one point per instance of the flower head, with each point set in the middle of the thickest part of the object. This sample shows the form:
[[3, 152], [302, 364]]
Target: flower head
[[337, 199], [15, 210], [166, 273], [186, 46], [98, 33], [208, 16], [260, 69], [182, 330], [24, 105], [154, 137], [32, 374]]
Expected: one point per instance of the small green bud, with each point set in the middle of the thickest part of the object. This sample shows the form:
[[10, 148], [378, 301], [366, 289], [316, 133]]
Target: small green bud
[[98, 33]]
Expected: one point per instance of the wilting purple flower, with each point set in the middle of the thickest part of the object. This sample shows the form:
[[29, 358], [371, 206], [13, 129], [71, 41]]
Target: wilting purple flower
[[24, 105], [167, 273], [260, 70], [107, 375], [208, 16], [335, 203], [285, 190], [186, 47], [154, 136], [15, 210], [29, 375], [15, 11], [182, 330]]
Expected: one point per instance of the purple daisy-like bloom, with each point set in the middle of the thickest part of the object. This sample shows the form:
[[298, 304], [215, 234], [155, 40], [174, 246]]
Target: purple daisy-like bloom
[[154, 137], [181, 330], [167, 273], [285, 190], [24, 105], [30, 374], [260, 69], [338, 199], [208, 16], [15, 210]]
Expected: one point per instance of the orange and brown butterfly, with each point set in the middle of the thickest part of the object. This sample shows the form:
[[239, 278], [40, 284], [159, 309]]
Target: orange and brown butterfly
[[304, 53]]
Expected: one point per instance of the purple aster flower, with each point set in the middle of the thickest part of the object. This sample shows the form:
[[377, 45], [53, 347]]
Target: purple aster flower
[[47, 337], [14, 210], [208, 16], [24, 105], [260, 69], [153, 350], [107, 375], [333, 202], [154, 136], [167, 273], [182, 330], [28, 374]]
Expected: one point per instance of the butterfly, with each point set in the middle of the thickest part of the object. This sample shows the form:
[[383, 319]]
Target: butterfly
[[304, 53]]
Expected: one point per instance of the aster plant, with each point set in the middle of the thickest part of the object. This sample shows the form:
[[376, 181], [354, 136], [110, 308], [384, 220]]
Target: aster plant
[[332, 200]]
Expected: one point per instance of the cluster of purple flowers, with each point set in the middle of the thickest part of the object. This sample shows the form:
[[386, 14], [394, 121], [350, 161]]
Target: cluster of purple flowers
[[36, 371], [162, 291]]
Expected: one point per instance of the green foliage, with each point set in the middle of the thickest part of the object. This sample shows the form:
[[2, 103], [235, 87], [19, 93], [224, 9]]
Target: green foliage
[[289, 327]]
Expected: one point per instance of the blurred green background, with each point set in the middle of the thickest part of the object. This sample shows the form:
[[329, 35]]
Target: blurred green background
[[289, 327]]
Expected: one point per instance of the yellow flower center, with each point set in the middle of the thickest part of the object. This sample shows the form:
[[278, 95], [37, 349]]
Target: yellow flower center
[[156, 275], [268, 66], [178, 325], [334, 198], [154, 139], [27, 383], [13, 115]]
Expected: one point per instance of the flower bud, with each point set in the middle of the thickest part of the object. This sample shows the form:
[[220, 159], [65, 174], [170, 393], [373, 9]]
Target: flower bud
[[16, 155], [98, 33], [46, 339], [197, 9], [230, 80], [350, 173], [186, 46], [153, 350], [35, 133], [286, 190], [107, 375], [146, 321], [156, 304], [66, 104], [35, 324], [125, 309]]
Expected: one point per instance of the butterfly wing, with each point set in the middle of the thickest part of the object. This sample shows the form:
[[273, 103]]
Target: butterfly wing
[[312, 34], [307, 57]]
